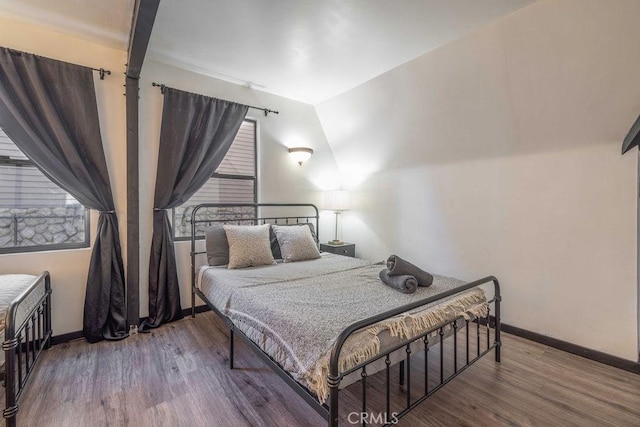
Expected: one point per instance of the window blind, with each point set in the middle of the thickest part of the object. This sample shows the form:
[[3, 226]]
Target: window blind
[[22, 185], [234, 181]]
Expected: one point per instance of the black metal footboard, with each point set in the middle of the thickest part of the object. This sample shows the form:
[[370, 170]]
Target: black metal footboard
[[389, 416], [23, 343]]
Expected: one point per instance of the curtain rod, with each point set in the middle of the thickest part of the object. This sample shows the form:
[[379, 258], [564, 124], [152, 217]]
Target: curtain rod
[[101, 71], [266, 110]]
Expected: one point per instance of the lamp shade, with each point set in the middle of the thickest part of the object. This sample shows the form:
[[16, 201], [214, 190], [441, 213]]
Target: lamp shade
[[336, 200], [300, 154]]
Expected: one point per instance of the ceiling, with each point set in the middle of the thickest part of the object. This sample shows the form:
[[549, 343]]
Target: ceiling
[[307, 50], [105, 22], [310, 50]]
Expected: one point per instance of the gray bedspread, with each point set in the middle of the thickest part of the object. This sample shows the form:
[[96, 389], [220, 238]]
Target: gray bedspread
[[221, 284], [303, 309]]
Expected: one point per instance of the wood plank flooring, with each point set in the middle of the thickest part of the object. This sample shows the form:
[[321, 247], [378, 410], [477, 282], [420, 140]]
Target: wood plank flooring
[[178, 375]]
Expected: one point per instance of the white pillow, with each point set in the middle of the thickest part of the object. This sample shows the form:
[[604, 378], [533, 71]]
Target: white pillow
[[296, 243], [248, 245]]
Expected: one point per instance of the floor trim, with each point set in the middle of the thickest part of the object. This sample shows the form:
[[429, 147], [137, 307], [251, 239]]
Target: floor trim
[[585, 352], [186, 312], [71, 336], [61, 339]]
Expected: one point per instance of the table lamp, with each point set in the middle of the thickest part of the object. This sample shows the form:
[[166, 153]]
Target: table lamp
[[336, 201]]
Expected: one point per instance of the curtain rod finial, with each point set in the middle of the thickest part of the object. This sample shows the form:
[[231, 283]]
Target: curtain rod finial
[[160, 85], [102, 72]]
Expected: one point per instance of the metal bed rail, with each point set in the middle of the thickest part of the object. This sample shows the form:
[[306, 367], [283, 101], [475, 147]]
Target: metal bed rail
[[24, 343]]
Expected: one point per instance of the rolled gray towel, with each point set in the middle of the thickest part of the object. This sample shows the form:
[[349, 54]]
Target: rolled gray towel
[[398, 267], [403, 283]]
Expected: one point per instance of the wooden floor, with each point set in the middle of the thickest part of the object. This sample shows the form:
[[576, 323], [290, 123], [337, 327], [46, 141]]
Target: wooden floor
[[178, 375]]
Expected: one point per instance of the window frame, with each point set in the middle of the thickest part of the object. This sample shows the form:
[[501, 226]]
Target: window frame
[[253, 178], [8, 161]]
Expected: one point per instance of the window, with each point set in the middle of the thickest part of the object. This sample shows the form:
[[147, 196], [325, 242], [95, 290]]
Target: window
[[235, 181], [35, 214]]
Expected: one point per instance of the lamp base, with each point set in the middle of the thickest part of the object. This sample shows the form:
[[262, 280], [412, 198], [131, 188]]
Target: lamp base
[[336, 242]]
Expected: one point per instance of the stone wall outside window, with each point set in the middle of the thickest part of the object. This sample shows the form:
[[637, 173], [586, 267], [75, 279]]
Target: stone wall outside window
[[41, 226], [182, 222]]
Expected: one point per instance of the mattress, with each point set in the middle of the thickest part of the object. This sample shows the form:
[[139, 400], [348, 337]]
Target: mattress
[[295, 311], [11, 287]]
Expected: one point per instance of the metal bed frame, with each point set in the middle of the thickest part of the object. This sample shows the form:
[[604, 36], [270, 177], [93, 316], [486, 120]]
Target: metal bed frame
[[330, 410], [23, 344]]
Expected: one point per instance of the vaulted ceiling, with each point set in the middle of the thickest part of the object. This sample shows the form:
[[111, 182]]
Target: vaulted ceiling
[[105, 22], [306, 50]]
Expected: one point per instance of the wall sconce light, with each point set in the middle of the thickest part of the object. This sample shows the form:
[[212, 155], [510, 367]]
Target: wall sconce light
[[336, 201], [300, 154]]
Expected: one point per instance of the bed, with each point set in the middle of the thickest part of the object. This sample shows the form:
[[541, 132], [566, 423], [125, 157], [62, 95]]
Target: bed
[[326, 323], [25, 323]]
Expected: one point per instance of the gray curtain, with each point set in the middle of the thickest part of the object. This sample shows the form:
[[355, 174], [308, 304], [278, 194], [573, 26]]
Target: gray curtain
[[633, 137], [48, 109], [196, 134]]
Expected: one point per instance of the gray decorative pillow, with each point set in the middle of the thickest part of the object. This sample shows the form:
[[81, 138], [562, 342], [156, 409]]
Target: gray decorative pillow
[[217, 245], [296, 243], [275, 247], [248, 245]]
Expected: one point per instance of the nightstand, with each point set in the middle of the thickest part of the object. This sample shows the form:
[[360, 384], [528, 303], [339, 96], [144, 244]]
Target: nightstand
[[347, 249]]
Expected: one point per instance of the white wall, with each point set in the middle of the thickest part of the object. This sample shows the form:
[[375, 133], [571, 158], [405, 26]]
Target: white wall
[[495, 154], [499, 154], [69, 268], [280, 179]]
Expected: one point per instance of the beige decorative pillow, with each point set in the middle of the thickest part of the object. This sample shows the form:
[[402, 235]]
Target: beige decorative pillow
[[248, 245], [275, 247], [296, 243]]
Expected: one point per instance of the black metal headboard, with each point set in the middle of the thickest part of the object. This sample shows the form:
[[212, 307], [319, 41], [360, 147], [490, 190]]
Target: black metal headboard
[[207, 214], [249, 213]]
